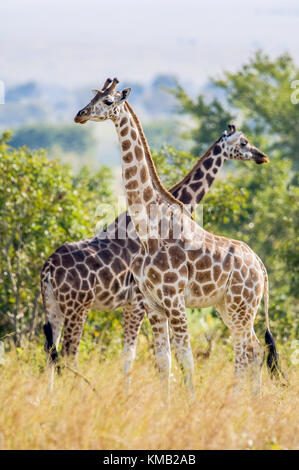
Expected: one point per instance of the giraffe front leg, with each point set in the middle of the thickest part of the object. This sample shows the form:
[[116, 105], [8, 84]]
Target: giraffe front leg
[[133, 316], [159, 324], [179, 326]]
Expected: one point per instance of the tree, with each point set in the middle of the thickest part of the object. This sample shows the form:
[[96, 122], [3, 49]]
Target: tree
[[42, 205], [210, 119], [66, 136], [261, 90]]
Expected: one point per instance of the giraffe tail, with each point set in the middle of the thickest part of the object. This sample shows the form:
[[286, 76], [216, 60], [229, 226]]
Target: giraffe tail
[[272, 358], [50, 345], [48, 300]]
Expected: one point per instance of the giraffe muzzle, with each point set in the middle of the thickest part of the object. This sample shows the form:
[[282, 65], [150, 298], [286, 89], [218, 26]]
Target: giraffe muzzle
[[81, 117], [259, 157]]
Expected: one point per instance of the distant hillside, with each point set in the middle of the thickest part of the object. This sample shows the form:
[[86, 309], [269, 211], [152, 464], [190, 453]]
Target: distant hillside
[[42, 117]]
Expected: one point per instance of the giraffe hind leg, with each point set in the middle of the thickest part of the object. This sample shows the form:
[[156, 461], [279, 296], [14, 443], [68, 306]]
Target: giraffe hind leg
[[73, 330], [248, 358], [247, 349], [133, 317]]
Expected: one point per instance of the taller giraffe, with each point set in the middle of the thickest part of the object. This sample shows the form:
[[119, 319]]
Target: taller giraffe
[[184, 265], [95, 273]]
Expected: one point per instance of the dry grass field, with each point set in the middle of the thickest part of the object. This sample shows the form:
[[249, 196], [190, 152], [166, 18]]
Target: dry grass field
[[77, 417]]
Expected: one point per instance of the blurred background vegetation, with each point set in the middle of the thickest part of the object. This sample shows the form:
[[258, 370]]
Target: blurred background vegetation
[[44, 201]]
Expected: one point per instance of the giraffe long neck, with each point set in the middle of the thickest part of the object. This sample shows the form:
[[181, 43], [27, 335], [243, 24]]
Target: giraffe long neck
[[192, 189], [144, 190]]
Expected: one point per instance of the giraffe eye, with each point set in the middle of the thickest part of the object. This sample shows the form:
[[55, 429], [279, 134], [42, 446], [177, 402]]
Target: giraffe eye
[[108, 102]]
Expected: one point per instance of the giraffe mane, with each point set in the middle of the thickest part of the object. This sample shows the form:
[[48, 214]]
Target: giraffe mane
[[154, 175]]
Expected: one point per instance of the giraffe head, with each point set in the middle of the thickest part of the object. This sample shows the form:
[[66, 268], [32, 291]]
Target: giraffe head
[[237, 147], [105, 104]]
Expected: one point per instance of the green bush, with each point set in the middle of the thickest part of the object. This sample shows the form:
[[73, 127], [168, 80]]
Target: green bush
[[42, 205]]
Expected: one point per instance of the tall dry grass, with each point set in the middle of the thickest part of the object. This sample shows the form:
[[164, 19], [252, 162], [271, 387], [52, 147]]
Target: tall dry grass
[[75, 417]]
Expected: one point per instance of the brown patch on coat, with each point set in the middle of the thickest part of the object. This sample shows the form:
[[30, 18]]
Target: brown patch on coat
[[123, 121], [236, 289], [67, 261], [257, 289], [253, 274], [222, 279], [130, 172], [118, 266], [203, 276], [131, 185], [106, 256], [144, 176], [139, 152], [133, 198], [59, 275], [126, 144], [136, 266], [124, 131], [237, 262], [83, 271], [133, 246], [161, 261], [237, 278], [152, 246], [227, 262], [128, 157], [195, 254], [148, 194], [195, 289], [207, 289], [170, 277], [203, 263], [177, 256], [216, 272], [244, 271], [217, 256], [154, 276]]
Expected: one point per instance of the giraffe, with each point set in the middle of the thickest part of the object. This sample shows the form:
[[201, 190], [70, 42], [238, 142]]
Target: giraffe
[[96, 272], [185, 265]]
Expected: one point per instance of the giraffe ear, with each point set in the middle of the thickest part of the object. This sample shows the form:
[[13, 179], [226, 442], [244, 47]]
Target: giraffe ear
[[232, 129], [125, 93]]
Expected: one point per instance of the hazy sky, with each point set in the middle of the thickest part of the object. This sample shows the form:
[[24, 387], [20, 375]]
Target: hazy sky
[[79, 42]]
